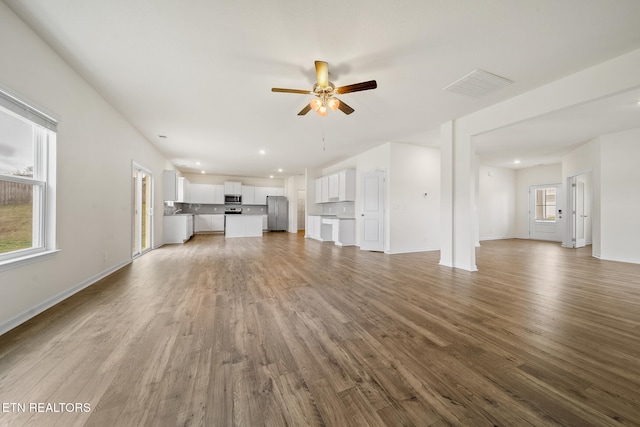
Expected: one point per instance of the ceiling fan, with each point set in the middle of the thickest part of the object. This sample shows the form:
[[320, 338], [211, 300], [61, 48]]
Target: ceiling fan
[[325, 92]]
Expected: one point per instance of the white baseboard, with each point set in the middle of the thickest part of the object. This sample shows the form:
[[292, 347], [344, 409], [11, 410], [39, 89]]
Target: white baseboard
[[34, 311]]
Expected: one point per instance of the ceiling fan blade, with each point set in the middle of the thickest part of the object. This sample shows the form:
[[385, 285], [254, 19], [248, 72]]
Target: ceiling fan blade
[[357, 87], [345, 108], [322, 73], [305, 110], [303, 92]]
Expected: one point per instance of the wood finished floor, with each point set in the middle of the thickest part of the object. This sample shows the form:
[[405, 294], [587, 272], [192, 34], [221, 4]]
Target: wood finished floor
[[283, 331]]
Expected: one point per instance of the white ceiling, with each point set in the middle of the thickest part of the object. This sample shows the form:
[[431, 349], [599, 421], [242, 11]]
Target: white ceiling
[[200, 72]]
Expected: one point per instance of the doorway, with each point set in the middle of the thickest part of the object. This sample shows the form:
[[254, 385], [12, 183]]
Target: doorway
[[580, 223], [142, 212], [302, 195]]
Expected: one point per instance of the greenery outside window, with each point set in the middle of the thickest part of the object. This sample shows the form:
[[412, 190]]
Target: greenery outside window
[[27, 143]]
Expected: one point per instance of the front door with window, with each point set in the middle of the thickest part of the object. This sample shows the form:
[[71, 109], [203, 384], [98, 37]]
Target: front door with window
[[545, 212]]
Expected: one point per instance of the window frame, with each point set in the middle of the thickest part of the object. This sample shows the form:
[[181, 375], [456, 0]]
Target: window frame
[[42, 181], [545, 205]]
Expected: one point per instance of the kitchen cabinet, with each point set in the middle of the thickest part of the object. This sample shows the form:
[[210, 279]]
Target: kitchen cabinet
[[177, 228], [334, 190], [275, 191], [243, 226], [261, 194], [170, 185], [202, 194], [218, 222], [337, 187], [317, 230], [265, 222], [347, 185], [318, 196], [209, 222], [343, 230], [218, 194], [184, 190], [248, 195], [232, 187]]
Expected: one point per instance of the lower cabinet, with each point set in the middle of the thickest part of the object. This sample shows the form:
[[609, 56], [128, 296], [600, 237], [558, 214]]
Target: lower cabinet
[[178, 228], [209, 222], [341, 231]]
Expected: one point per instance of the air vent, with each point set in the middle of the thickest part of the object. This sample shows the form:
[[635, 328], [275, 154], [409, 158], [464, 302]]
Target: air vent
[[478, 83]]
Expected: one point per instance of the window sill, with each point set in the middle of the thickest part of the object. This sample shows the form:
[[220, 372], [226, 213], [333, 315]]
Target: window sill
[[27, 259]]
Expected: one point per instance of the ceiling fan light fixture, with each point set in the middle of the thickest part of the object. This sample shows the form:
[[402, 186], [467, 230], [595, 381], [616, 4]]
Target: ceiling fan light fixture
[[322, 111], [333, 103], [315, 104]]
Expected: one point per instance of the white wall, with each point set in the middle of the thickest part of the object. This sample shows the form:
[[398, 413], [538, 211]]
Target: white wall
[[414, 198], [620, 196], [497, 197], [96, 147], [525, 178]]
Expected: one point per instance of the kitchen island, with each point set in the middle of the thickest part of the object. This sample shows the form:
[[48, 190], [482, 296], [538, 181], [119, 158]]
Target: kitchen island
[[243, 225]]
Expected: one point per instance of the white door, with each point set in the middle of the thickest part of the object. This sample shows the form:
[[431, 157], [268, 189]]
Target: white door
[[579, 214], [142, 212], [372, 224], [545, 212]]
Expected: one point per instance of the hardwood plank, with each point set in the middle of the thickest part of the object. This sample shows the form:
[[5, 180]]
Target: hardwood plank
[[287, 331]]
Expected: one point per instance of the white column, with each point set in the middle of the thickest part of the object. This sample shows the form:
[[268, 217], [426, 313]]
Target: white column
[[458, 191]]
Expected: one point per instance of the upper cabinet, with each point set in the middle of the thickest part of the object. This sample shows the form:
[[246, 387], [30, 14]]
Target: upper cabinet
[[184, 190], [337, 187], [170, 185], [347, 185], [261, 194], [202, 194], [218, 194], [248, 195], [233, 187]]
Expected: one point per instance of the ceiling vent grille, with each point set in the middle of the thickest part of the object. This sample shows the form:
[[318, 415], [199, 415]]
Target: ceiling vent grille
[[478, 83]]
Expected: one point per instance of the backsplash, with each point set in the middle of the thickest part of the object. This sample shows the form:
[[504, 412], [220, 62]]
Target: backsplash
[[340, 209], [195, 208]]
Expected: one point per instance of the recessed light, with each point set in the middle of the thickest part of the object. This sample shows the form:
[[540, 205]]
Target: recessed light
[[198, 163], [262, 152], [280, 170], [202, 172], [516, 161], [271, 176]]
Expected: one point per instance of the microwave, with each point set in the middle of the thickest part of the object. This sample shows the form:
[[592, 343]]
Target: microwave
[[232, 199]]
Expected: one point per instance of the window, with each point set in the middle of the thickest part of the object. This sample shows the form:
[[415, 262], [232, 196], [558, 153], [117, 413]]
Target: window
[[546, 204], [27, 143]]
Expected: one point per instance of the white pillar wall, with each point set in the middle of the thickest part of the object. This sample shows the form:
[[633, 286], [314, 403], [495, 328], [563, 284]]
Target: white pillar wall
[[458, 193]]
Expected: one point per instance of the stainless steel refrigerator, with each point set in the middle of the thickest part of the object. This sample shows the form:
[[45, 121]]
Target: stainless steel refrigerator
[[277, 213]]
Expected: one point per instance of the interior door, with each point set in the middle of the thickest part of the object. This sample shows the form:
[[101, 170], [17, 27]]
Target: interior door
[[142, 239], [579, 214], [372, 216]]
